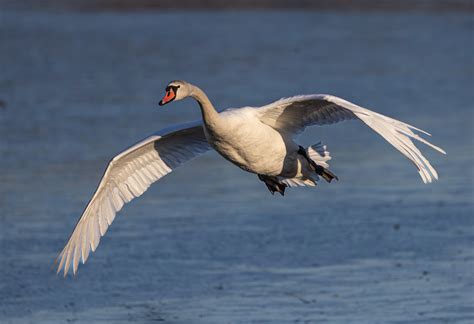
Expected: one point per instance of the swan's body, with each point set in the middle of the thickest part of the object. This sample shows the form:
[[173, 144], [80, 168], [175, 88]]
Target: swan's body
[[238, 130], [256, 139]]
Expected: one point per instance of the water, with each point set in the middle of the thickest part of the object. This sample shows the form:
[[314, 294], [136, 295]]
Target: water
[[209, 243]]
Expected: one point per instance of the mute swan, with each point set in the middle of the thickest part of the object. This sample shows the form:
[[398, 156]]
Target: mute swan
[[259, 140]]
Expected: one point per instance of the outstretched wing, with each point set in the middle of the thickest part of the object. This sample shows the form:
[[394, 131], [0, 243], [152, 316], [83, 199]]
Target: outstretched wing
[[127, 176], [292, 115]]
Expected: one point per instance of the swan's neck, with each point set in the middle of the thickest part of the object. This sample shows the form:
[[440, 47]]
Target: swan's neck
[[209, 113]]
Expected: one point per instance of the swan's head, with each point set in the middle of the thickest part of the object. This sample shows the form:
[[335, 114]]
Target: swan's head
[[175, 90]]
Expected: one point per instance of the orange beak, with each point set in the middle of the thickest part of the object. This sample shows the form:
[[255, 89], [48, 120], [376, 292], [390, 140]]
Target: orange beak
[[169, 96]]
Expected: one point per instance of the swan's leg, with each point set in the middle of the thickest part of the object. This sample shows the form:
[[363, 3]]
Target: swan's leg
[[273, 184], [323, 172]]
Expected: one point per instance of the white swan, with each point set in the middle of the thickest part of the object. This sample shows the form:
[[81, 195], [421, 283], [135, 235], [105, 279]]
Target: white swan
[[256, 139]]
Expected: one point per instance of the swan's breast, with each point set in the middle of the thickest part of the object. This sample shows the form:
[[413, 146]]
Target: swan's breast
[[248, 143]]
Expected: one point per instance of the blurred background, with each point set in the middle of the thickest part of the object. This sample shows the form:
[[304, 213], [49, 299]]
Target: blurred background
[[80, 81]]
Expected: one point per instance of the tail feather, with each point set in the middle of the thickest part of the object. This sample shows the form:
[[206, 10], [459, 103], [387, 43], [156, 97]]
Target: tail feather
[[319, 154], [298, 182]]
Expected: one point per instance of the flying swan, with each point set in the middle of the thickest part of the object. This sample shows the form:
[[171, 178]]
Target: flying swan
[[259, 140]]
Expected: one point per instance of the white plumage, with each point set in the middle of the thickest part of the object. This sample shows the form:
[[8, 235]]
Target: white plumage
[[129, 175], [257, 139], [294, 114]]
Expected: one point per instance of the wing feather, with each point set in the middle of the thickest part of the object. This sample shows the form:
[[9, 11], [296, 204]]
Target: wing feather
[[292, 115], [127, 176]]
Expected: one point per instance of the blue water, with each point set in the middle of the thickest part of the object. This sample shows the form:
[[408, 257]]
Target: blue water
[[208, 243]]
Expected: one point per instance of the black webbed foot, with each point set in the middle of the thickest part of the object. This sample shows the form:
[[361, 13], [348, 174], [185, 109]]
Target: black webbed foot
[[273, 184], [323, 172]]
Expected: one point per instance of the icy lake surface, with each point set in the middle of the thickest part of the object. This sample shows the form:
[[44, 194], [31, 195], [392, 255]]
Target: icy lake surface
[[208, 243]]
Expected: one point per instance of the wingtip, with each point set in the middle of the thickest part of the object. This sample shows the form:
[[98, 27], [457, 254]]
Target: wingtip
[[59, 259], [439, 149], [55, 267], [418, 129]]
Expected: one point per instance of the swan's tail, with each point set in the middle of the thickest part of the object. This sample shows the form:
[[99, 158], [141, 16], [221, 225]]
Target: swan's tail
[[318, 157]]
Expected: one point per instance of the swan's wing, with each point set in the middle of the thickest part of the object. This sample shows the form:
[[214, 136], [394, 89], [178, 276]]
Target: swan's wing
[[127, 176], [292, 115]]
